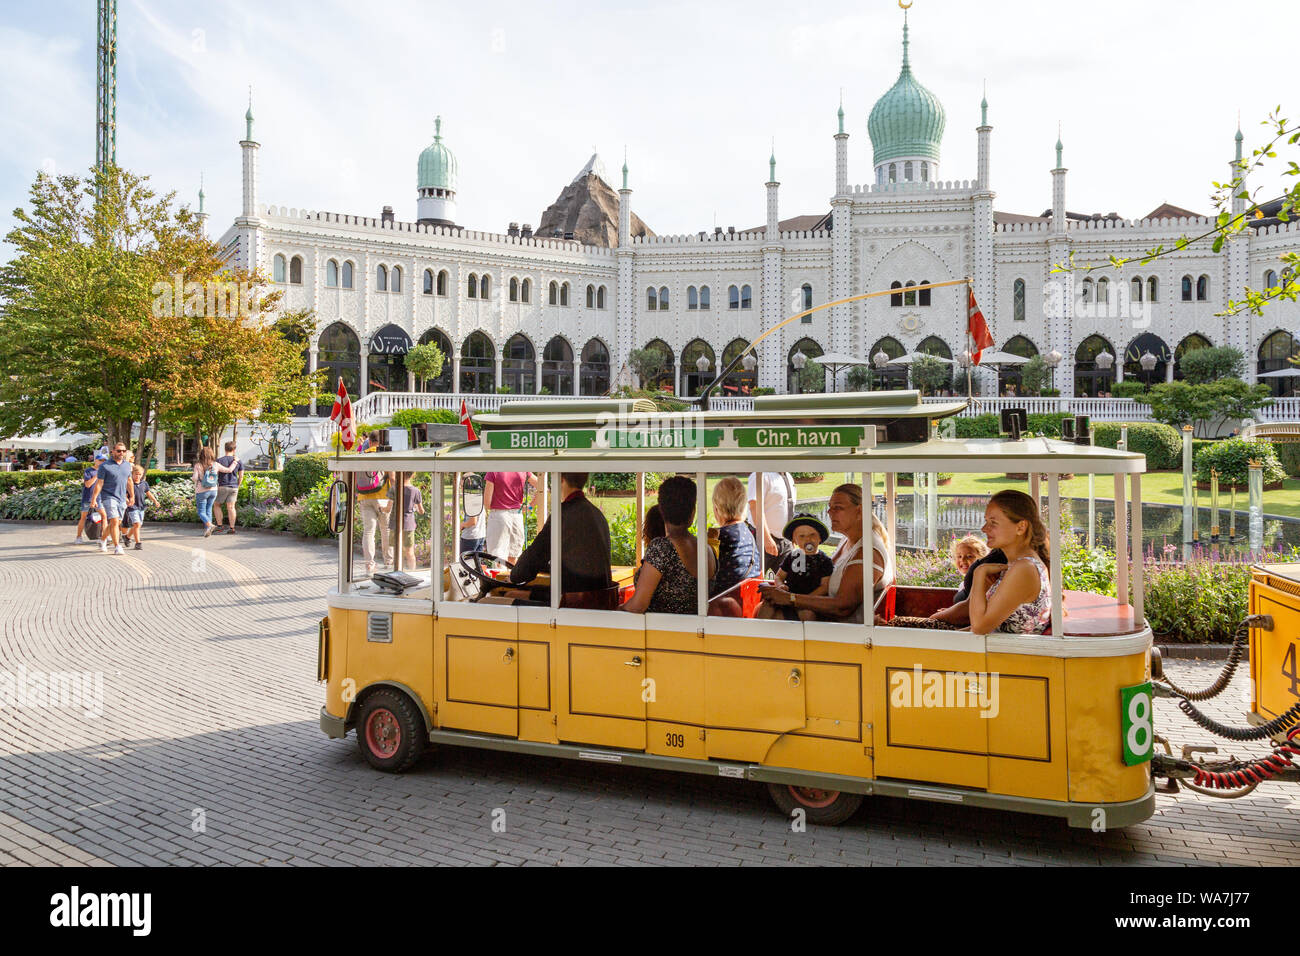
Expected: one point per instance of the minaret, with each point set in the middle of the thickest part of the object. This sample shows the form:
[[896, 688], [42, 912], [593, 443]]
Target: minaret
[[1058, 306], [202, 216], [1237, 327], [984, 132], [250, 148], [1058, 189], [841, 155], [625, 328], [841, 243], [249, 222], [771, 367], [437, 175]]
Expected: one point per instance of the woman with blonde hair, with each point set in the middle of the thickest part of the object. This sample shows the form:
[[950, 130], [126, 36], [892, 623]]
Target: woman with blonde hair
[[206, 468], [737, 552], [843, 602]]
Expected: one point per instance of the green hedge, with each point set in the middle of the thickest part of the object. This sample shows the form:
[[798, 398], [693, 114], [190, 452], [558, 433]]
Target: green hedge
[[1288, 454], [1162, 444], [301, 474], [1231, 458], [606, 481], [23, 480], [416, 416], [987, 425]]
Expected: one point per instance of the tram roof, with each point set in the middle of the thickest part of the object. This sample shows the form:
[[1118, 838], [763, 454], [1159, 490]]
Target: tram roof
[[968, 456]]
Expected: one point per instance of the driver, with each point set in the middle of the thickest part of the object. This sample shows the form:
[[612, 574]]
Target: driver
[[584, 545]]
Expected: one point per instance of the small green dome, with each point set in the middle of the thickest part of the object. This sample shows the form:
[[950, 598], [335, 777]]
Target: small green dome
[[437, 163], [907, 121]]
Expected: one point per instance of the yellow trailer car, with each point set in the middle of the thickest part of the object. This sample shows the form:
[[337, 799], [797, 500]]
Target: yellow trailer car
[[824, 713]]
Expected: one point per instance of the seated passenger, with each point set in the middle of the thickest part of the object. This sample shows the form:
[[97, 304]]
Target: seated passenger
[[584, 547], [1015, 597], [843, 600], [651, 528], [667, 584], [737, 553], [958, 615], [804, 569]]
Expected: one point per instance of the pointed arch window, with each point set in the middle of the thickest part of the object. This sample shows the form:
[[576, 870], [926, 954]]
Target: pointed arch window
[[1018, 301], [1136, 289], [896, 298], [663, 298], [295, 270], [1153, 287], [526, 291], [396, 284], [733, 297], [443, 280], [704, 298], [909, 294], [1103, 289], [428, 282], [347, 275], [332, 274], [1086, 295], [746, 297], [806, 298], [600, 297], [471, 287], [591, 296], [1203, 289], [564, 293], [278, 269], [692, 299], [1187, 288], [381, 278], [907, 171], [553, 293], [514, 289], [484, 286], [923, 295]]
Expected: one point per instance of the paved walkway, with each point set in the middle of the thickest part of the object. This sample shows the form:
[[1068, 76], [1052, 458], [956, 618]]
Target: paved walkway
[[208, 749]]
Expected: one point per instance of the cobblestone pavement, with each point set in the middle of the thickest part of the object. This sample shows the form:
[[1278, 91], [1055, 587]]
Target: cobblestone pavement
[[210, 716]]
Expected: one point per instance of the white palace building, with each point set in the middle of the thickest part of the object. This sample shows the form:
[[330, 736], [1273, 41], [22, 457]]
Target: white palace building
[[555, 315]]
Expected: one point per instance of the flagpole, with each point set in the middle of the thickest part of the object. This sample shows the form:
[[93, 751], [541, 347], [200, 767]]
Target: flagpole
[[970, 351]]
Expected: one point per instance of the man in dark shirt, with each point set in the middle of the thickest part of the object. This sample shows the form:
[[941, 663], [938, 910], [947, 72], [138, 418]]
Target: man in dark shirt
[[959, 615], [584, 545], [227, 489]]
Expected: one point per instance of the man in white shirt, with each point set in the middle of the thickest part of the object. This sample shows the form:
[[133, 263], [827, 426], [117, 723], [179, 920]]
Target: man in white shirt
[[778, 508]]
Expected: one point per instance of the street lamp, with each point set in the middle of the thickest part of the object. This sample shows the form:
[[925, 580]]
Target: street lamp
[[1148, 362], [798, 360], [1104, 360], [880, 359], [1053, 359], [702, 364]]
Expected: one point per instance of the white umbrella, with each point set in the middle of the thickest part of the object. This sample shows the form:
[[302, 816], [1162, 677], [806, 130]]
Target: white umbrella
[[50, 440], [911, 357], [1292, 372], [835, 362], [1001, 358]]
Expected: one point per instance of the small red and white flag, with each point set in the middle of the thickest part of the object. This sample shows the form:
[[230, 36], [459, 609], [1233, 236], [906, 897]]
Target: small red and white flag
[[465, 420], [977, 330], [342, 414]]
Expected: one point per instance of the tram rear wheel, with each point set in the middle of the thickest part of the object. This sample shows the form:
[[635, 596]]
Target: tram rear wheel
[[390, 731], [824, 807]]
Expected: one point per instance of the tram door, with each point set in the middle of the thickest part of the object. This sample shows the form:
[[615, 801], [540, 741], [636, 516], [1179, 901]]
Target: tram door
[[476, 667]]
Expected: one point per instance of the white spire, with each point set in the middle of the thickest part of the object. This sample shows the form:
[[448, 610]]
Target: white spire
[[594, 165]]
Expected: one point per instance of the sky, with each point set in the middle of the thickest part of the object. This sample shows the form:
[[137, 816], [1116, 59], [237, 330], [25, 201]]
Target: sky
[[1147, 97]]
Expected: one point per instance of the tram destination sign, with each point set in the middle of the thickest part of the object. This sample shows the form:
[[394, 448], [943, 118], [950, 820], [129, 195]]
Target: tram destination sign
[[676, 434]]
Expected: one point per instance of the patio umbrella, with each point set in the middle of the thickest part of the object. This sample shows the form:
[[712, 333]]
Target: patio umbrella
[[1292, 372], [1001, 358], [834, 362], [911, 357]]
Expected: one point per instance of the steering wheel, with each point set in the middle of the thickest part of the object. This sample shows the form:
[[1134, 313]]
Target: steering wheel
[[471, 563]]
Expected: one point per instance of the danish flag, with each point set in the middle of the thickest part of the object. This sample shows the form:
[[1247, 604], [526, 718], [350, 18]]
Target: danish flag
[[977, 330], [464, 420], [342, 413]]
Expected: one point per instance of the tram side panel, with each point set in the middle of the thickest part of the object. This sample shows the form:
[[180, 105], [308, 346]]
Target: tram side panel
[[1274, 654], [1025, 707], [374, 647], [1095, 738]]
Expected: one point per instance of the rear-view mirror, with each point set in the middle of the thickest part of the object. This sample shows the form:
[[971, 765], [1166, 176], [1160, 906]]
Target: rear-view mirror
[[471, 489], [338, 506]]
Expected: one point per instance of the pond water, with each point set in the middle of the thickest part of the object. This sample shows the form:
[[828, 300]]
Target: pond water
[[1162, 525]]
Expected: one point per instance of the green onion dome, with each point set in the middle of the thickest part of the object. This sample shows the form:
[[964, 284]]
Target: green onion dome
[[907, 121]]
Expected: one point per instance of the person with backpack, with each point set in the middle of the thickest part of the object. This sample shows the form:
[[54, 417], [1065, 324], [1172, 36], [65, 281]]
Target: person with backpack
[[206, 470], [373, 502]]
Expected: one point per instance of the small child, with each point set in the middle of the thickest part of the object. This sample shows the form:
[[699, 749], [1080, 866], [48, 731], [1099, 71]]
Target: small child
[[134, 517], [966, 551], [804, 569]]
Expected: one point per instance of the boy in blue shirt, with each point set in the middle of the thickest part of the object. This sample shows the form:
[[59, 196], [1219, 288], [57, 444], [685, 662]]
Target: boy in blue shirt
[[135, 513], [88, 476]]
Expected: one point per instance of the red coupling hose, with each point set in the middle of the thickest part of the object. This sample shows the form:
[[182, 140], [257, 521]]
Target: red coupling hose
[[1255, 772]]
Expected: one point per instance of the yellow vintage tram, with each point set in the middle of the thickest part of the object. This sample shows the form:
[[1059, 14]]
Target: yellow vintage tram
[[823, 713]]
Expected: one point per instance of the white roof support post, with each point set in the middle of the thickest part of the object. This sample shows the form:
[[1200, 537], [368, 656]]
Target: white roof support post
[[1054, 553], [868, 555], [1036, 489], [345, 537], [437, 520], [638, 547], [702, 542], [1121, 542], [760, 522], [435, 525], [399, 538], [891, 508], [557, 582], [1138, 564]]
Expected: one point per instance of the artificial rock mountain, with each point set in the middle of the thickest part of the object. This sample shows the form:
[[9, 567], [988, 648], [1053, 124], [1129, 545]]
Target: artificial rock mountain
[[588, 208]]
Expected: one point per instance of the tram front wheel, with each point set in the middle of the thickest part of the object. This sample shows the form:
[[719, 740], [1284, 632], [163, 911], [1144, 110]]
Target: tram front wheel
[[823, 807], [390, 731]]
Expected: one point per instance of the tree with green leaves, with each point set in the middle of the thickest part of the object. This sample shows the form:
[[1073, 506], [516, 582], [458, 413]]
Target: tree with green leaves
[[1034, 375], [1207, 407], [929, 375], [859, 378], [1201, 366], [425, 362], [647, 365]]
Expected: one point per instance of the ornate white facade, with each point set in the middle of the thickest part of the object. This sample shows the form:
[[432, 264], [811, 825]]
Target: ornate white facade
[[888, 231]]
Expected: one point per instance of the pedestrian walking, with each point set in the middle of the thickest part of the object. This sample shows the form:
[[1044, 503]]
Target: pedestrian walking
[[412, 505], [374, 505], [504, 493], [228, 489], [88, 476], [113, 488], [205, 475], [135, 513]]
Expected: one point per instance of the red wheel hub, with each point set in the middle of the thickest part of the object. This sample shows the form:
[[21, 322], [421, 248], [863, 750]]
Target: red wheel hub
[[383, 733], [813, 797]]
